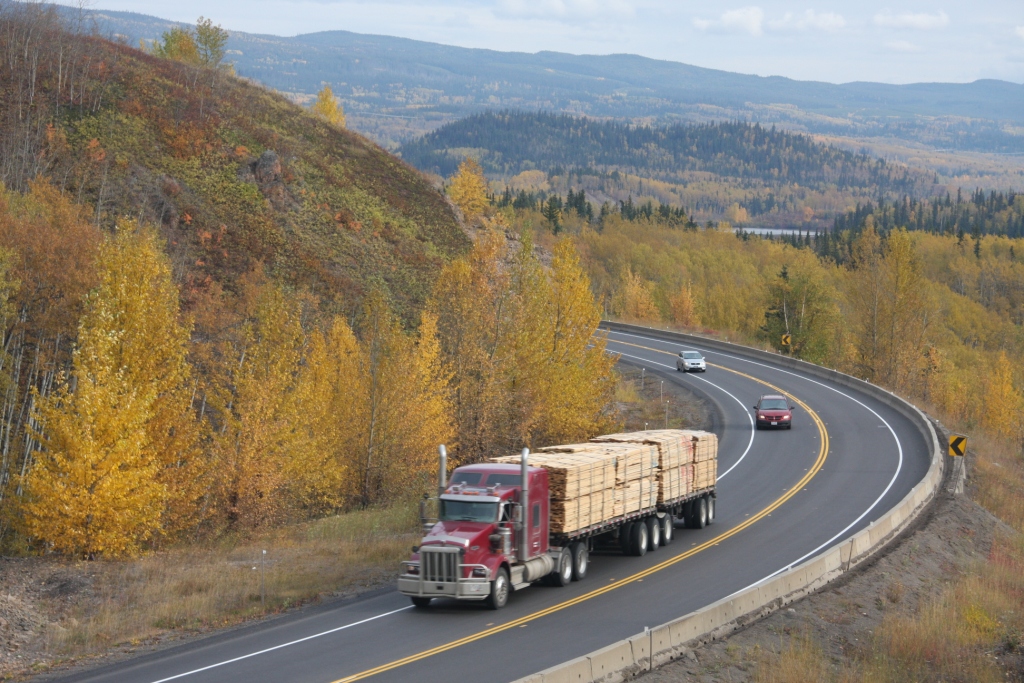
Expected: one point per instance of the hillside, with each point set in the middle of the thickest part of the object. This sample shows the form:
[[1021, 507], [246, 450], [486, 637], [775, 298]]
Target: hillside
[[233, 174], [395, 88], [771, 176]]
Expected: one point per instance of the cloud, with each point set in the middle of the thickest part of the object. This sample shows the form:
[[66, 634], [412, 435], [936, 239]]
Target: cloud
[[1020, 31], [571, 10], [903, 46], [920, 21], [809, 20], [746, 19]]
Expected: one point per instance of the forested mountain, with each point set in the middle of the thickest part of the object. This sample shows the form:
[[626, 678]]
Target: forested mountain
[[395, 88], [508, 143], [744, 173]]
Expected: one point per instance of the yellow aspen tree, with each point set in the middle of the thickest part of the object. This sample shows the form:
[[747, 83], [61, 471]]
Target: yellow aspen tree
[[578, 374], [684, 307], [905, 312], [1003, 405], [428, 410], [100, 486], [328, 108], [330, 404], [865, 297], [468, 189], [634, 300], [256, 412], [385, 358], [471, 300]]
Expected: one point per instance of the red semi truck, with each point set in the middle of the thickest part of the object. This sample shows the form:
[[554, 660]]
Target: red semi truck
[[494, 532]]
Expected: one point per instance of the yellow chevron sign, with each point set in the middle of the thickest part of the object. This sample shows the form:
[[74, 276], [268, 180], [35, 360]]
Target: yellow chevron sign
[[786, 339], [957, 445]]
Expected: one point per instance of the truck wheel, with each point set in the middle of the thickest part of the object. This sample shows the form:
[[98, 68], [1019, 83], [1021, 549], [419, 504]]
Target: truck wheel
[[653, 533], [687, 514], [421, 603], [563, 572], [711, 509], [638, 539], [700, 513], [580, 560], [626, 538], [499, 590], [668, 527]]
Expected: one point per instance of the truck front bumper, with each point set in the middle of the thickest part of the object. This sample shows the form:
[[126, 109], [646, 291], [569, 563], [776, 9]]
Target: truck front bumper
[[462, 589]]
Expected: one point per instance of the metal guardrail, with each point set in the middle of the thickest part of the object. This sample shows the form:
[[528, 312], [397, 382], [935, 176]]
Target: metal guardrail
[[664, 643]]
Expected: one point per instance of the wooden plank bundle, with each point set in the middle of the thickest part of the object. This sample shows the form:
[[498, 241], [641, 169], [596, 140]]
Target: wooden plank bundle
[[675, 483], [584, 511], [704, 474], [705, 445], [636, 495], [675, 449], [572, 474]]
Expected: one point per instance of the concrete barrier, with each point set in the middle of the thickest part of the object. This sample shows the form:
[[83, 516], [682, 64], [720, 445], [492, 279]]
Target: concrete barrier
[[657, 646]]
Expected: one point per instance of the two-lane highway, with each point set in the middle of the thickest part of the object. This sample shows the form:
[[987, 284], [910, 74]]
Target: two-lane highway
[[782, 497]]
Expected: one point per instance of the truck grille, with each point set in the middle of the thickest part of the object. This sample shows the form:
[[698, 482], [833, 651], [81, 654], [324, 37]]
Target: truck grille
[[439, 565]]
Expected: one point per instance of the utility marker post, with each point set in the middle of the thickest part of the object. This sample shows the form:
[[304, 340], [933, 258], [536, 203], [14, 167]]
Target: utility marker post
[[263, 580]]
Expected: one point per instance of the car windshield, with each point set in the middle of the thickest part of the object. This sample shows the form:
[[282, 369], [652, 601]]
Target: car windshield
[[464, 511], [774, 404], [691, 354]]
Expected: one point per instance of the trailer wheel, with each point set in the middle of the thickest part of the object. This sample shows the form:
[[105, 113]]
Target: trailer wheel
[[687, 514], [653, 533], [711, 509], [421, 603], [499, 590], [580, 560], [699, 518], [626, 538], [638, 539], [562, 574], [668, 527]]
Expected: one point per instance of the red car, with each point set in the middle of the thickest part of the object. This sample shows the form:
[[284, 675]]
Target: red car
[[773, 410]]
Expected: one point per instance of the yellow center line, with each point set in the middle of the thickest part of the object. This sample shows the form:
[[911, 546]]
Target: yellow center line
[[822, 455]]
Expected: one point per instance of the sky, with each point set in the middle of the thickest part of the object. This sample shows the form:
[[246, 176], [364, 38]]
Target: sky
[[829, 40]]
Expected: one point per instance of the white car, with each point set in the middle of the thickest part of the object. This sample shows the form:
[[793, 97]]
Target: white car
[[690, 361]]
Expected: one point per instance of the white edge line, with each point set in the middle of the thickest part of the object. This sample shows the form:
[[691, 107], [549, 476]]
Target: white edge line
[[282, 645], [895, 476], [745, 411]]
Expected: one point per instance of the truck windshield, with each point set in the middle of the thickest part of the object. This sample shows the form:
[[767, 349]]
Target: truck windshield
[[463, 511]]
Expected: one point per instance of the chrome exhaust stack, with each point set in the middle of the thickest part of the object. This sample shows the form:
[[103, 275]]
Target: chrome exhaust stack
[[442, 473], [524, 501]]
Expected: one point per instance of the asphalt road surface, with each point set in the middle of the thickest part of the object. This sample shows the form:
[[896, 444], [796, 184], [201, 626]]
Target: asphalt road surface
[[782, 497]]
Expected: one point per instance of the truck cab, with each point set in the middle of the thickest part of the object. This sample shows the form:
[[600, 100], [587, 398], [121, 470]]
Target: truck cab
[[485, 542]]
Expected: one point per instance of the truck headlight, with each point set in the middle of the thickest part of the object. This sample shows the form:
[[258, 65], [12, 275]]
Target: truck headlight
[[479, 573], [413, 569]]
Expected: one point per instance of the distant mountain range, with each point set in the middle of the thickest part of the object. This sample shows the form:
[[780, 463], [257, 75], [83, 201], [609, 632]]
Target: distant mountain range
[[395, 89]]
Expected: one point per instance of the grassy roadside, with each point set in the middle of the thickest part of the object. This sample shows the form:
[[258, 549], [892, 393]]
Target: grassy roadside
[[88, 608]]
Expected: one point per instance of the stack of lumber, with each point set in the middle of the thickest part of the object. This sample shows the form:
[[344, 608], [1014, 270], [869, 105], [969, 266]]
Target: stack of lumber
[[675, 449], [581, 484], [705, 459], [620, 474]]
